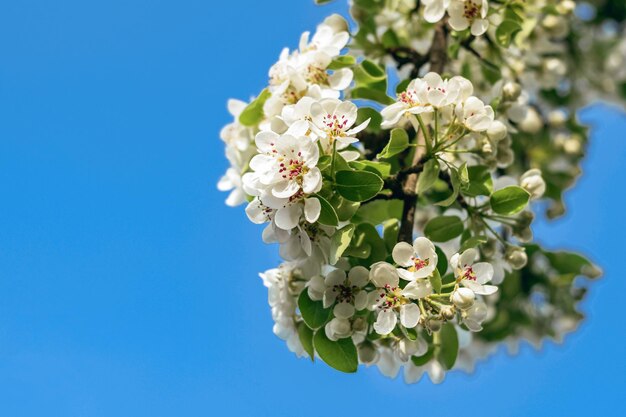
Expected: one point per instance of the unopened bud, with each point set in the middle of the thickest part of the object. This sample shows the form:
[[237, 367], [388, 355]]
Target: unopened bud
[[367, 353], [533, 182], [463, 298], [532, 122], [511, 91], [434, 325], [497, 131], [524, 234], [516, 257], [448, 312]]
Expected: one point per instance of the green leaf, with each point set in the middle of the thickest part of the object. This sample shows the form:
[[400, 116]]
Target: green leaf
[[371, 75], [377, 211], [479, 181], [435, 281], [306, 338], [313, 312], [364, 113], [345, 209], [358, 185], [472, 242], [454, 179], [253, 113], [339, 242], [342, 61], [398, 142], [442, 261], [490, 71], [428, 176], [402, 85], [367, 93], [382, 169], [340, 355], [424, 359], [509, 200], [371, 246], [506, 32], [449, 348], [391, 228], [443, 228], [390, 39], [328, 216]]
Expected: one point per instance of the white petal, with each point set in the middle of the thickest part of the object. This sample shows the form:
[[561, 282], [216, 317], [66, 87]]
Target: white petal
[[402, 254], [382, 273], [359, 275], [335, 277], [312, 181], [343, 310], [409, 315], [312, 209], [288, 217], [418, 289], [483, 271], [385, 322]]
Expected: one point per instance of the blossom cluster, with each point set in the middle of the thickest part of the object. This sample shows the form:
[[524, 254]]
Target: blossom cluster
[[398, 218]]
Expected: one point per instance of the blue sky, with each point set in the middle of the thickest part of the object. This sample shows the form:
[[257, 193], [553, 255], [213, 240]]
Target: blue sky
[[127, 288]]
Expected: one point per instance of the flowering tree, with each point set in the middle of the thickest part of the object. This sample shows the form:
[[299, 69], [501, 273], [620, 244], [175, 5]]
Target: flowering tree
[[397, 164]]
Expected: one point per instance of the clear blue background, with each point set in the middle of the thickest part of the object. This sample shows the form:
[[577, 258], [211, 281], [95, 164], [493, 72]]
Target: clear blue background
[[127, 288]]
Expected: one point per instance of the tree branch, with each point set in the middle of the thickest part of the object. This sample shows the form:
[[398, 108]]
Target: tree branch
[[437, 56]]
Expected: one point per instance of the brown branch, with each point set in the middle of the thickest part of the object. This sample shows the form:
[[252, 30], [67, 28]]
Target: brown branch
[[437, 56]]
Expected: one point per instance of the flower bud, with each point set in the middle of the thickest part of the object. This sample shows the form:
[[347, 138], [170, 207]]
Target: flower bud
[[497, 131], [533, 182], [523, 234], [488, 249], [557, 118], [338, 329], [463, 298], [434, 325], [511, 91], [516, 257], [367, 353], [525, 218], [505, 157], [532, 123], [448, 312]]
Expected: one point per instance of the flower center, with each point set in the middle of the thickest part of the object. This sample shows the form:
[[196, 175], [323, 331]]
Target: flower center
[[335, 125], [469, 273], [345, 292], [390, 298], [293, 168], [316, 75], [471, 10], [418, 263], [408, 97]]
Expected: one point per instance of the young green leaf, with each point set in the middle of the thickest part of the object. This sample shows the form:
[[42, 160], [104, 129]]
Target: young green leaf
[[253, 113], [428, 176], [435, 281], [358, 185], [398, 142], [443, 228], [306, 338], [442, 262], [339, 242], [341, 355], [328, 215], [341, 61], [454, 180], [449, 348], [509, 200], [313, 312], [506, 32]]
